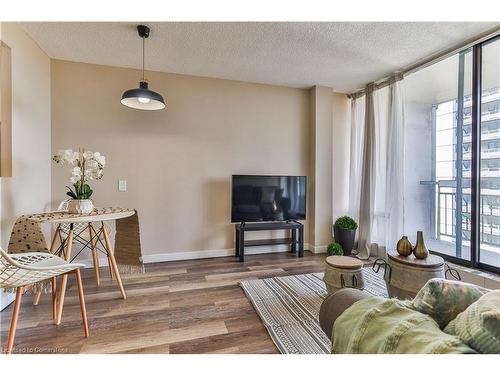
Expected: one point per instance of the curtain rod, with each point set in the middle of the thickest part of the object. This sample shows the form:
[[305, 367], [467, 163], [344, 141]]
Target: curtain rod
[[423, 63]]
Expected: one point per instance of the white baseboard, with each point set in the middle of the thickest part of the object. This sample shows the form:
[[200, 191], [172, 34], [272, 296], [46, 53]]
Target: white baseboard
[[318, 249], [203, 254], [6, 299]]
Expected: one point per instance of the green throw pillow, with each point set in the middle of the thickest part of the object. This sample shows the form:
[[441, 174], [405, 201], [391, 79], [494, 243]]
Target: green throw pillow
[[479, 325], [379, 325], [443, 299]]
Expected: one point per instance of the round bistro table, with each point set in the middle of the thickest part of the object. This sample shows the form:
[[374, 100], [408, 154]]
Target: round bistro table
[[343, 272], [88, 230]]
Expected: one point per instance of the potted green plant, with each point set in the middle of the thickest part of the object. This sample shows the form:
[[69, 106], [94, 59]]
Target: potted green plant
[[344, 232], [334, 249]]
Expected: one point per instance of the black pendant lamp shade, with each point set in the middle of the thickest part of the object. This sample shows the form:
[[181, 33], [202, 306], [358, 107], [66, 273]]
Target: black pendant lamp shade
[[142, 97]]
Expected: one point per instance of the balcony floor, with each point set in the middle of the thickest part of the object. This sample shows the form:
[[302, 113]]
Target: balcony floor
[[487, 256]]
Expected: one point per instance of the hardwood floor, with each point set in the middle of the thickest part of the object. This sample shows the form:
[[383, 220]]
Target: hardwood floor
[[193, 306]]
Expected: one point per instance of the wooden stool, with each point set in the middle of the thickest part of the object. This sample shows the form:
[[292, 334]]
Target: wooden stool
[[343, 272]]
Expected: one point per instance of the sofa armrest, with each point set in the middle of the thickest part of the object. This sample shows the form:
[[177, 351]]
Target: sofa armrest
[[335, 304]]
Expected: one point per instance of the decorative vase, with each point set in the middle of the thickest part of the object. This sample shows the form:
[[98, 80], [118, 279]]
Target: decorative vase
[[404, 247], [345, 238], [420, 251], [80, 206]]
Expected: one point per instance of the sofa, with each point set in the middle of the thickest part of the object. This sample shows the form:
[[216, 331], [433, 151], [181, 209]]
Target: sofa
[[445, 317]]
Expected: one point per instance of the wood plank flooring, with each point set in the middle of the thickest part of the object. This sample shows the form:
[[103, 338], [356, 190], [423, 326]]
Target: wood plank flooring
[[193, 306]]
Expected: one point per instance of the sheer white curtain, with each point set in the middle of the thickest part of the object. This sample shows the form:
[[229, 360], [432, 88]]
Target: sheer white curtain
[[377, 161], [394, 206], [378, 182]]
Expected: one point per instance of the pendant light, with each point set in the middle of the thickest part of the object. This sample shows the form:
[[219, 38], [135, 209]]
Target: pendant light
[[142, 97]]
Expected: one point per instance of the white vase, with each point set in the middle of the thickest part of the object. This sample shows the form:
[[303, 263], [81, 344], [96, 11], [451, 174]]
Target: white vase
[[80, 206]]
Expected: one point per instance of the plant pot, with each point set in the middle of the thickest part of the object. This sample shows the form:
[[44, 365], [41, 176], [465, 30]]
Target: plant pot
[[344, 237], [80, 206]]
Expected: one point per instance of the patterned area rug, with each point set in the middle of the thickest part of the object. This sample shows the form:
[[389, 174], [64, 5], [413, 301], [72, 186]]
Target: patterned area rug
[[289, 308]]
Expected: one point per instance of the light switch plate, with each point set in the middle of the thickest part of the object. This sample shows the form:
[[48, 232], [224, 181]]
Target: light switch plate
[[122, 185]]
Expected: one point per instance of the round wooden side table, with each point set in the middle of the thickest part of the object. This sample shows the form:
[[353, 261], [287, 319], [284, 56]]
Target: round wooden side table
[[343, 272], [405, 276]]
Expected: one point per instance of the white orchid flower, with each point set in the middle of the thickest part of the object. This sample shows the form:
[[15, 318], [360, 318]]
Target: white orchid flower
[[62, 156], [92, 169], [66, 154], [100, 159], [92, 164], [76, 172], [88, 155]]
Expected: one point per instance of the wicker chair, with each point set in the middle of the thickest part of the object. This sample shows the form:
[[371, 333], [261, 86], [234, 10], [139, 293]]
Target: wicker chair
[[20, 271]]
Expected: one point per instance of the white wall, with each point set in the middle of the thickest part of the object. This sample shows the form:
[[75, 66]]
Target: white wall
[[28, 190], [418, 167]]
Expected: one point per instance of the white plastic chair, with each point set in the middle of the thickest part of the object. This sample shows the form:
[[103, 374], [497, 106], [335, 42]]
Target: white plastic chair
[[21, 271]]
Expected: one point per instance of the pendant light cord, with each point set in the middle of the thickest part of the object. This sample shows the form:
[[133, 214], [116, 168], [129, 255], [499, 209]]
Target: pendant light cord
[[143, 58]]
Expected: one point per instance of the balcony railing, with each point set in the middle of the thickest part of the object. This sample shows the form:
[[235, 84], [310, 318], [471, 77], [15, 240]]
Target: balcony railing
[[446, 216]]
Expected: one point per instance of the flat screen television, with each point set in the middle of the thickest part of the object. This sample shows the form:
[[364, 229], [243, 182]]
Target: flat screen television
[[268, 198]]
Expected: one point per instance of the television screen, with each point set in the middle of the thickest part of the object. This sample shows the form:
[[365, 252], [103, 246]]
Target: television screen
[[268, 198]]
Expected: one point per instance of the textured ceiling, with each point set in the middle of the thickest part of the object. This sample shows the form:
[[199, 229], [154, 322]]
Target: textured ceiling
[[341, 55]]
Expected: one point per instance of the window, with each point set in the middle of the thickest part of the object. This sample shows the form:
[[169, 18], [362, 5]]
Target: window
[[489, 245], [438, 154], [440, 157]]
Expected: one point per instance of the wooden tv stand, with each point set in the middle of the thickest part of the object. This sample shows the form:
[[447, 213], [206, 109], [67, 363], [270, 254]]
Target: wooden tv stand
[[295, 240]]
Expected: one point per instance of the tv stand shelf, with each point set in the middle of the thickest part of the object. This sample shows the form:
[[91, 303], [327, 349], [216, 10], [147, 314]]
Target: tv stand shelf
[[295, 240], [272, 241]]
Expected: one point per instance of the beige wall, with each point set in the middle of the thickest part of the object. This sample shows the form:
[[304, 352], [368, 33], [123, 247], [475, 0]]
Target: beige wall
[[5, 110], [329, 163], [177, 162], [341, 154], [321, 165], [312, 169], [28, 190]]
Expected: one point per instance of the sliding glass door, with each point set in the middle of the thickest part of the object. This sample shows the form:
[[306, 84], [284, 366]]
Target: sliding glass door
[[438, 155], [452, 156], [452, 132], [489, 122]]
